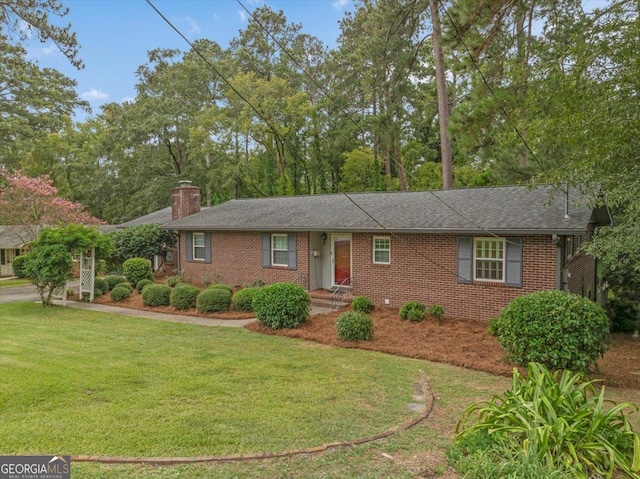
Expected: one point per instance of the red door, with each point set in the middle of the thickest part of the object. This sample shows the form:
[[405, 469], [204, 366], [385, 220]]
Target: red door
[[342, 263]]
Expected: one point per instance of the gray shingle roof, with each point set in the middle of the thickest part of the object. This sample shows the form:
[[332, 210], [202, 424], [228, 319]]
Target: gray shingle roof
[[500, 210], [159, 217]]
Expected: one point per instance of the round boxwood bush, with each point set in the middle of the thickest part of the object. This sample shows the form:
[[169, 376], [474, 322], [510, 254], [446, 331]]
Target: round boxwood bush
[[221, 286], [114, 279], [125, 285], [136, 269], [18, 266], [362, 304], [354, 326], [281, 305], [100, 286], [142, 283], [435, 311], [213, 300], [120, 293], [413, 311], [243, 299], [183, 296], [156, 295], [560, 330]]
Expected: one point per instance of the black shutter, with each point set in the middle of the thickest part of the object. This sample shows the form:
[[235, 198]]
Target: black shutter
[[292, 261], [465, 259], [207, 247], [266, 250], [513, 269], [189, 246]]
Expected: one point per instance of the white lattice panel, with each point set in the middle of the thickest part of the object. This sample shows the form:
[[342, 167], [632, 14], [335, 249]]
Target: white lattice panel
[[87, 273]]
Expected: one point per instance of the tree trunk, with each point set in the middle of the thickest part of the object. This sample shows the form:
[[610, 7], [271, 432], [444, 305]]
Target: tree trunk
[[443, 107]]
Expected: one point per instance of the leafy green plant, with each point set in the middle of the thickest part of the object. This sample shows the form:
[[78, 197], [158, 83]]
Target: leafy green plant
[[213, 300], [362, 304], [563, 418], [622, 313], [183, 296], [100, 286], [125, 285], [49, 268], [136, 269], [172, 281], [354, 326], [494, 326], [243, 299], [18, 266], [221, 286], [142, 283], [281, 305], [120, 292], [156, 295], [558, 329], [413, 311], [113, 280], [436, 311]]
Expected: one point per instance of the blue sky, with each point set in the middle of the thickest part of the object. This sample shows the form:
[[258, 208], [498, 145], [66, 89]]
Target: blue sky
[[115, 35]]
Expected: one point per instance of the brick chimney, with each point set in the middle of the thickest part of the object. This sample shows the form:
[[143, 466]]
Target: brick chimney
[[185, 200]]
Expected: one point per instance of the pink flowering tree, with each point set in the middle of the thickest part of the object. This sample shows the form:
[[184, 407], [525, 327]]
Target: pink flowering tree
[[28, 204]]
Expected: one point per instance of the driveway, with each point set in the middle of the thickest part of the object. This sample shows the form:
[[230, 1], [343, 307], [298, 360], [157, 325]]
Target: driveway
[[16, 294]]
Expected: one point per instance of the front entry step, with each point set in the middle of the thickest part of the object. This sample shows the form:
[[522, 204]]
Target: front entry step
[[321, 298]]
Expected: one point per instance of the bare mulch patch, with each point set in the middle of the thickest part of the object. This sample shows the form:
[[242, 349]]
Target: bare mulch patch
[[459, 342]]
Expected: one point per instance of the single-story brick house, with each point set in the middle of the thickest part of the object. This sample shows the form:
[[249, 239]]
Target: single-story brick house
[[468, 250], [12, 244]]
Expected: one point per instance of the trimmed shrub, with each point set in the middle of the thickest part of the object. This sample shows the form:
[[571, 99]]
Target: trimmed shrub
[[413, 311], [362, 304], [494, 327], [281, 305], [125, 285], [114, 279], [557, 329], [183, 296], [354, 326], [436, 311], [142, 283], [100, 286], [173, 281], [221, 286], [242, 299], [213, 300], [136, 269], [156, 295], [120, 292], [623, 315], [18, 266], [562, 417]]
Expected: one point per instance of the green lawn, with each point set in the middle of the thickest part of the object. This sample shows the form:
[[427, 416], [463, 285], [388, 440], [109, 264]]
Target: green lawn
[[7, 283], [77, 382]]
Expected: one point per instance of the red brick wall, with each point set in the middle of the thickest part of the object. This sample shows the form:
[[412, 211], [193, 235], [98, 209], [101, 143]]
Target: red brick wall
[[237, 256], [185, 201], [424, 267]]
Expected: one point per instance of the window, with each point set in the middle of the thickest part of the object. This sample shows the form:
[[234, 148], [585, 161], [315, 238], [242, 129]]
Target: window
[[168, 256], [279, 250], [489, 259], [381, 250], [198, 246]]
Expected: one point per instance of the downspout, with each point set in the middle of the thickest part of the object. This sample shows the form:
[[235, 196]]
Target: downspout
[[556, 241]]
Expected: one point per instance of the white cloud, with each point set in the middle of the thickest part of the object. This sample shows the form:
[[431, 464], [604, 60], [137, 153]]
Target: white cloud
[[243, 15], [189, 23], [341, 4], [94, 94]]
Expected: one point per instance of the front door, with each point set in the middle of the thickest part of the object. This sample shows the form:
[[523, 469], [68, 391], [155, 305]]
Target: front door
[[341, 253]]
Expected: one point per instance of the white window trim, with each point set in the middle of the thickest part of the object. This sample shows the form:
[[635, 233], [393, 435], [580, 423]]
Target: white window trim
[[504, 260], [388, 238], [273, 250], [194, 246]]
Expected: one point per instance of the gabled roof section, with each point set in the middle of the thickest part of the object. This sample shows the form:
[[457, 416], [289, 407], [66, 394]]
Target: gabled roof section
[[498, 210], [159, 217]]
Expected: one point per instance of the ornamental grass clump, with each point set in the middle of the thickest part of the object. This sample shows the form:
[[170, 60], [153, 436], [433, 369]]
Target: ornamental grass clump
[[561, 417], [213, 300], [156, 295], [183, 296], [554, 328], [362, 304], [413, 311], [281, 305], [120, 293], [243, 299], [354, 326]]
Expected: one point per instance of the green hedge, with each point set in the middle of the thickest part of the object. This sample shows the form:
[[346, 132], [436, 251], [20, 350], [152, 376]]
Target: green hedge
[[354, 326], [136, 269], [413, 311], [156, 295], [281, 305], [183, 296], [142, 283], [213, 300], [221, 286], [362, 304], [120, 292], [243, 299]]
